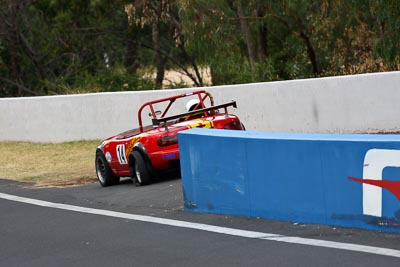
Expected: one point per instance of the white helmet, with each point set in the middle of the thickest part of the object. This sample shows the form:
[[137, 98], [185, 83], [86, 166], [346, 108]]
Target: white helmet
[[191, 104]]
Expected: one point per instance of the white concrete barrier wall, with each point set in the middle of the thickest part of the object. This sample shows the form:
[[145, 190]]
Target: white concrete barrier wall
[[346, 104]]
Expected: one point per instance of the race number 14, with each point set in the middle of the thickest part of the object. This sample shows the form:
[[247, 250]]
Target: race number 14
[[121, 154]]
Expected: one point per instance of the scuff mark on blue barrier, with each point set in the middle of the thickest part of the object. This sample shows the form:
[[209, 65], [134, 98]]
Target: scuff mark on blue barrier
[[343, 180]]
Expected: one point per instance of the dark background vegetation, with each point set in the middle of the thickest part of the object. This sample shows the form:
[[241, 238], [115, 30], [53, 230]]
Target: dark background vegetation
[[52, 47]]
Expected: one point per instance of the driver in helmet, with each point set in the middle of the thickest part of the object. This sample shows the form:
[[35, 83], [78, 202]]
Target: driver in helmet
[[191, 105]]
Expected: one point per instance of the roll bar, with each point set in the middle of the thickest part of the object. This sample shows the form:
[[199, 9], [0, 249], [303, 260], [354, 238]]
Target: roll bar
[[201, 94], [157, 122]]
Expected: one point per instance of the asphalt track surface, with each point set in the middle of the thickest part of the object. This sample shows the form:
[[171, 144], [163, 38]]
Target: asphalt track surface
[[33, 235]]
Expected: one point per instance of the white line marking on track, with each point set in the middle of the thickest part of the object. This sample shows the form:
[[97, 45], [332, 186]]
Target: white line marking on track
[[210, 228]]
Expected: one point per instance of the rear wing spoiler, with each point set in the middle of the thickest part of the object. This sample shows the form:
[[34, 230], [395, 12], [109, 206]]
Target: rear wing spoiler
[[157, 122]]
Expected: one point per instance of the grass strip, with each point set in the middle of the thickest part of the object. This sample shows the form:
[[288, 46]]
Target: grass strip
[[63, 164]]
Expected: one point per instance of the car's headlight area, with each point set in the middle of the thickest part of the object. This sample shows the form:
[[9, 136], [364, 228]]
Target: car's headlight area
[[108, 157]]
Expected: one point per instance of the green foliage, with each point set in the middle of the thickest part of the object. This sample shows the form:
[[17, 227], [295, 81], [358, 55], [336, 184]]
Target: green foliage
[[115, 80], [387, 18], [108, 81], [233, 71], [69, 46]]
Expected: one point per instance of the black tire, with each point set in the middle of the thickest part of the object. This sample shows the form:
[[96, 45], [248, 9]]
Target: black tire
[[104, 173], [139, 171]]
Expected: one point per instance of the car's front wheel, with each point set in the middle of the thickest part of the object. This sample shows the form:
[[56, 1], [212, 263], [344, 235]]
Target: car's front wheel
[[104, 173], [139, 171]]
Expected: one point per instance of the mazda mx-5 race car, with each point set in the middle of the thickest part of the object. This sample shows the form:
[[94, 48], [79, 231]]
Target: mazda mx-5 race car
[[145, 152]]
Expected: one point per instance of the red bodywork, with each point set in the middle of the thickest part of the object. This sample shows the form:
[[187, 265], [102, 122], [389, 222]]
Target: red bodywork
[[159, 141]]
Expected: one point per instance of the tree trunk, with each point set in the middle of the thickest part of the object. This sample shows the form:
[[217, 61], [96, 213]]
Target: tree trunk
[[215, 76], [311, 54], [244, 25], [160, 62], [262, 34], [13, 38], [310, 49], [16, 43], [197, 79], [176, 29], [306, 39], [132, 60]]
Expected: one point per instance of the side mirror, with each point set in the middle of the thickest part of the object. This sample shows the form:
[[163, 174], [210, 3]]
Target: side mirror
[[157, 112]]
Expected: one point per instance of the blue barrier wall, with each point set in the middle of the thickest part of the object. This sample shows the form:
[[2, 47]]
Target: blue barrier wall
[[294, 177]]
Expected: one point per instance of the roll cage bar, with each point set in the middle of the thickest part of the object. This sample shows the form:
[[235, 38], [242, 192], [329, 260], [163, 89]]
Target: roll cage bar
[[206, 111], [202, 96]]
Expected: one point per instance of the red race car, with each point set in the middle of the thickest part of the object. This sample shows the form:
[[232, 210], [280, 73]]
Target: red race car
[[145, 152]]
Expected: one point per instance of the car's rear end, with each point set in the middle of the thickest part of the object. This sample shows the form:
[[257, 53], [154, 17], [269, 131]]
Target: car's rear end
[[165, 154]]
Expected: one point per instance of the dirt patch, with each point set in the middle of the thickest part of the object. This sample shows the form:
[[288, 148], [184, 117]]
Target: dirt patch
[[66, 183], [173, 78]]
